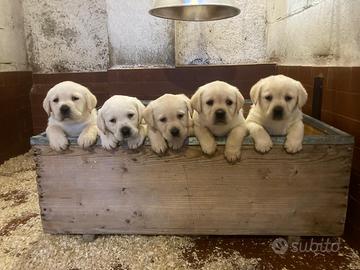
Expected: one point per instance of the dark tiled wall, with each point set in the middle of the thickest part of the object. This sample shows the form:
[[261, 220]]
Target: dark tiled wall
[[15, 113], [340, 108], [146, 83], [22, 120]]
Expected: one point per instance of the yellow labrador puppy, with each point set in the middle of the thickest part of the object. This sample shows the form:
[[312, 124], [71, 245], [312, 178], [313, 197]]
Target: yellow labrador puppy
[[120, 119], [218, 112], [169, 122], [71, 110], [276, 110]]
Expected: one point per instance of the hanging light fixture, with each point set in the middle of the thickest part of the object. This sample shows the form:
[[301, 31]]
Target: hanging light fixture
[[194, 10]]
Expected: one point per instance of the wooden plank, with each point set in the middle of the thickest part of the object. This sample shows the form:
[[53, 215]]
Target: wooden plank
[[316, 132], [96, 192]]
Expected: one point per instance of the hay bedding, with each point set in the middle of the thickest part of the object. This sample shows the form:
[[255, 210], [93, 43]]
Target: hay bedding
[[23, 245]]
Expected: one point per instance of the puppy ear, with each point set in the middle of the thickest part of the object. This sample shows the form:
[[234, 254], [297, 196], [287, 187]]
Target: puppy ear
[[188, 104], [239, 100], [46, 105], [101, 122], [140, 109], [196, 100], [256, 91], [148, 115], [302, 95], [91, 100]]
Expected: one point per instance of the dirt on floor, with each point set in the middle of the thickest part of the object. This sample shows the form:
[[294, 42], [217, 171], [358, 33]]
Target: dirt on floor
[[23, 245]]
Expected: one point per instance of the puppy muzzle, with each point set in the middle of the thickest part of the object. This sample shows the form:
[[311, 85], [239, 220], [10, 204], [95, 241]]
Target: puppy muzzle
[[175, 132], [65, 111], [125, 132], [220, 116], [278, 113]]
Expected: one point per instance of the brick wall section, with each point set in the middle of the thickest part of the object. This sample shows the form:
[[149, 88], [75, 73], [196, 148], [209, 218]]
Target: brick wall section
[[340, 108], [15, 113]]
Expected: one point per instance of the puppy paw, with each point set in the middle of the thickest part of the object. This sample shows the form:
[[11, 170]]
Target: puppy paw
[[59, 143], [209, 148], [86, 140], [263, 145], [232, 155], [136, 142], [292, 146], [108, 143], [159, 147]]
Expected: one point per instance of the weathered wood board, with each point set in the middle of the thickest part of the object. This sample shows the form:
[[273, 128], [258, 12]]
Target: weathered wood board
[[125, 191]]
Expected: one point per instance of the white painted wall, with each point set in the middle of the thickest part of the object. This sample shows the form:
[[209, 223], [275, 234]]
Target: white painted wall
[[67, 35], [12, 38], [137, 38], [237, 40], [314, 32]]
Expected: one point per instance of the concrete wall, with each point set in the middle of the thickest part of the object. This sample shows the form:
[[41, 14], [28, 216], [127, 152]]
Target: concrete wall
[[66, 35], [94, 35], [12, 38], [137, 38], [314, 32], [75, 35], [238, 40]]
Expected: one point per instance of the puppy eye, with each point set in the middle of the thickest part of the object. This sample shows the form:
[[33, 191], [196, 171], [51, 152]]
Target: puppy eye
[[229, 102], [163, 119], [130, 115], [113, 120], [180, 116], [74, 98], [268, 98], [288, 98], [56, 100], [210, 102]]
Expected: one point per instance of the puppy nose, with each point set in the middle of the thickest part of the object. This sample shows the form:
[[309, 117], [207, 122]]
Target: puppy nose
[[65, 109], [125, 131], [278, 112], [220, 114], [175, 131]]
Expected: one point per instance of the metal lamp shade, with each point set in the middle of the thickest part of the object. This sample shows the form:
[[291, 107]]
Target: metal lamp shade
[[194, 10]]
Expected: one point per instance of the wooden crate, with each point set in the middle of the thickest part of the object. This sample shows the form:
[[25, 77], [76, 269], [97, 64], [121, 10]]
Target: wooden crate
[[125, 191]]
